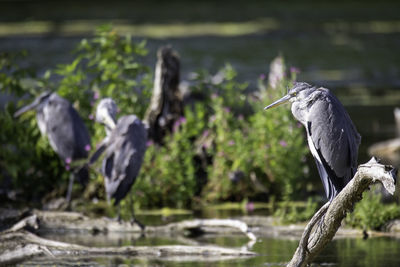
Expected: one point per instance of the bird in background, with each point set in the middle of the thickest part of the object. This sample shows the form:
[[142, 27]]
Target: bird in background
[[67, 134], [124, 147], [332, 137]]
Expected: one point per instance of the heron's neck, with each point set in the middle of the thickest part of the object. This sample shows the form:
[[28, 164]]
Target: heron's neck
[[301, 108], [110, 124], [300, 112], [108, 131]]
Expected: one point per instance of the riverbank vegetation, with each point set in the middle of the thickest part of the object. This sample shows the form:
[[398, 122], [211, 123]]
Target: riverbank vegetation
[[224, 148]]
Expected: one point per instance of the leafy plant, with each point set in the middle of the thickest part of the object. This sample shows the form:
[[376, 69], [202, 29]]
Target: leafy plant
[[370, 213], [108, 65], [27, 163], [224, 148], [168, 174], [289, 212], [263, 152]]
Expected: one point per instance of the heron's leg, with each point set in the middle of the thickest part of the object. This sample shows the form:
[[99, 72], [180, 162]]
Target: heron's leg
[[69, 190], [119, 214], [315, 220], [133, 219]]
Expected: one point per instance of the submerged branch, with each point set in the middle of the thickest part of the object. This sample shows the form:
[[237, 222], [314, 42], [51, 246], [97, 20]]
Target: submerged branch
[[328, 219]]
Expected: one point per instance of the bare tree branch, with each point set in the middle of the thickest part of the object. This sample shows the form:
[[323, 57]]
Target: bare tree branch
[[328, 219]]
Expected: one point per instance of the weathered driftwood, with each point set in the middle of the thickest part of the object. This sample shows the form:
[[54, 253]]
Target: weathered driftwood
[[328, 219], [166, 106], [22, 245], [77, 222], [16, 244]]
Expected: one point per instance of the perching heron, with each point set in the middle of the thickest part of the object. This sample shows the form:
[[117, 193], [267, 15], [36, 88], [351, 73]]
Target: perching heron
[[125, 146], [331, 135], [68, 136]]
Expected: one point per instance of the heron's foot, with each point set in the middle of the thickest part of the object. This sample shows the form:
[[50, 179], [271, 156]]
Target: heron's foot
[[119, 219], [135, 221], [68, 206], [365, 234]]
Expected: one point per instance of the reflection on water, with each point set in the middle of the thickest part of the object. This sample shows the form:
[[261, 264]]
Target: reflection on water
[[352, 252], [271, 250]]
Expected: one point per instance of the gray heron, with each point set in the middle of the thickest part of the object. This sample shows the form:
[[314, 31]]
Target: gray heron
[[332, 137], [124, 147], [67, 134]]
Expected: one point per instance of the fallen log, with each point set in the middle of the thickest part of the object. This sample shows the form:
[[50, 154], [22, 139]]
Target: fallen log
[[22, 245], [327, 220], [60, 221], [18, 245]]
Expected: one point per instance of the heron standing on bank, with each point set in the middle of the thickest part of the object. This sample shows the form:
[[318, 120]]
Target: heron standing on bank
[[125, 146], [332, 137], [68, 136]]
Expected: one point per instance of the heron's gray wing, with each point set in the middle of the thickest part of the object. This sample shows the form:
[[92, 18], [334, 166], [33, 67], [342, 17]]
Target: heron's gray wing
[[100, 149], [81, 134], [65, 129], [127, 146], [336, 141]]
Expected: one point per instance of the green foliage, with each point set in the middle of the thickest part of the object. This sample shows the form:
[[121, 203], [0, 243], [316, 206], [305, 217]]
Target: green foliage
[[168, 174], [25, 157], [224, 148], [108, 65], [289, 212], [266, 150], [371, 214]]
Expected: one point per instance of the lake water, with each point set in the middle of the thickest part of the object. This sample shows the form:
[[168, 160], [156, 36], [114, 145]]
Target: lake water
[[271, 251]]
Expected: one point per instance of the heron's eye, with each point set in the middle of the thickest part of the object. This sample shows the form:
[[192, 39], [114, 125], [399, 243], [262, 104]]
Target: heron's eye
[[294, 94]]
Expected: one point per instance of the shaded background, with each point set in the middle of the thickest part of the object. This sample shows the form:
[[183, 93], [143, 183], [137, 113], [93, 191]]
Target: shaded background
[[350, 47]]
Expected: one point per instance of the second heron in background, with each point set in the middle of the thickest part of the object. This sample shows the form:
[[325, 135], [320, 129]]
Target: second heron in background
[[125, 146], [67, 134]]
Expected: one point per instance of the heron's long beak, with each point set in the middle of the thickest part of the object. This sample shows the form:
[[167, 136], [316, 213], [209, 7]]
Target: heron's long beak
[[279, 102], [26, 108], [109, 121]]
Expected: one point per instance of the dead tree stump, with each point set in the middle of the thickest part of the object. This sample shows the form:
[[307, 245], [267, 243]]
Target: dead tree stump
[[166, 106]]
